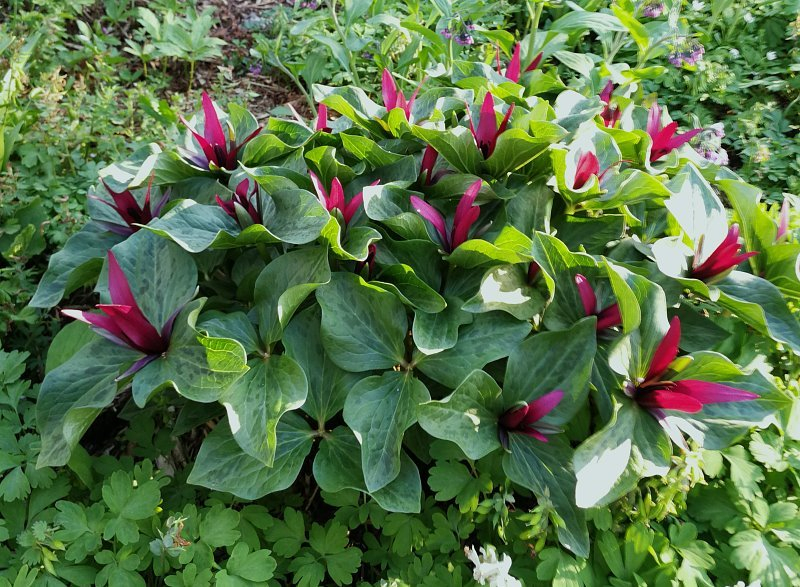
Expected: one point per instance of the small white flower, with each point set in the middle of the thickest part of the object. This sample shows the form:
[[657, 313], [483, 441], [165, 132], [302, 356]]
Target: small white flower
[[734, 53], [748, 18], [490, 571], [718, 129], [697, 5], [771, 55]]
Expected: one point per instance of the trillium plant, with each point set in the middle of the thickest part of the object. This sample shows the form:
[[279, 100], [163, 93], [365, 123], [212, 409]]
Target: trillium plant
[[547, 283]]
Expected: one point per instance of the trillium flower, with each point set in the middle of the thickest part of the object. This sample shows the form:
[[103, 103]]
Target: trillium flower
[[241, 205], [588, 167], [513, 71], [322, 124], [525, 418], [466, 215], [722, 260], [127, 207], [609, 115], [487, 133], [122, 321], [533, 271], [656, 393], [664, 139], [429, 158], [606, 317], [369, 262], [394, 98], [334, 199], [217, 148]]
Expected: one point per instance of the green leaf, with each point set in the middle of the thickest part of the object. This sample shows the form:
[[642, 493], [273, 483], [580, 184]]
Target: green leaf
[[697, 208], [610, 462], [547, 361], [434, 333], [636, 29], [72, 395], [379, 409], [337, 467], [365, 149], [256, 402], [218, 527], [404, 283], [263, 149], [69, 340], [199, 367], [363, 326], [456, 146], [75, 265], [355, 247], [221, 464], [328, 385], [544, 468], [760, 304], [775, 565], [510, 246], [506, 288], [126, 500], [757, 228], [341, 561], [516, 148], [284, 284], [235, 325], [491, 336], [256, 566], [581, 20], [468, 416]]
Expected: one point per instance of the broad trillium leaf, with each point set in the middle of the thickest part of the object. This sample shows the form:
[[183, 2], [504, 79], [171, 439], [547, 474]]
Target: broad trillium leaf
[[379, 409], [222, 465]]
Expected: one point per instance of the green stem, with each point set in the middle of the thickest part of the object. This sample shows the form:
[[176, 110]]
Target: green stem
[[279, 64], [536, 16], [350, 57], [191, 76]]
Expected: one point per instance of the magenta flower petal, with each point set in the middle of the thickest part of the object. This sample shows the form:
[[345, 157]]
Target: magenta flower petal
[[103, 324], [666, 351], [588, 299], [487, 126], [336, 195], [514, 417], [322, 119], [514, 66], [322, 193], [212, 129], [608, 90], [683, 138], [410, 105], [503, 124], [388, 90], [429, 158], [135, 326], [118, 286], [609, 317], [467, 201], [207, 148], [535, 63], [461, 230], [588, 166], [654, 120], [539, 408], [534, 434], [707, 392], [667, 400], [433, 216]]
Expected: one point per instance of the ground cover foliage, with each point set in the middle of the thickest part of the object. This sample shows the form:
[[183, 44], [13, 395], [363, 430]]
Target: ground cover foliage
[[488, 297]]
